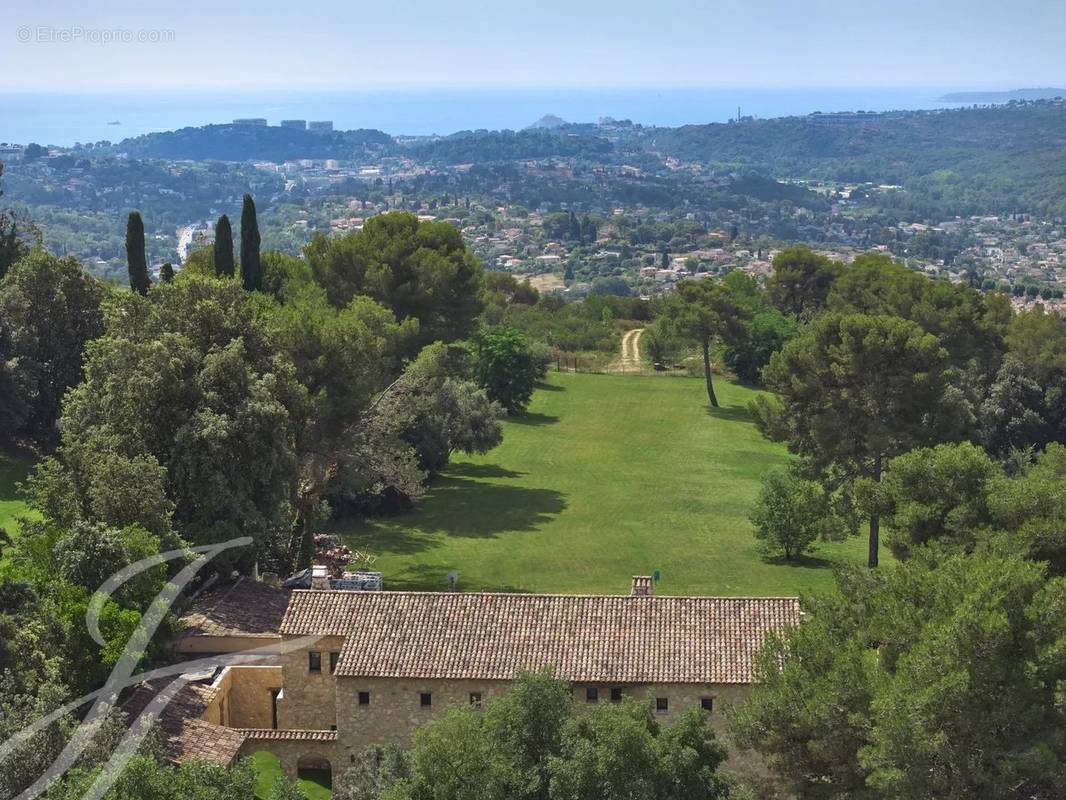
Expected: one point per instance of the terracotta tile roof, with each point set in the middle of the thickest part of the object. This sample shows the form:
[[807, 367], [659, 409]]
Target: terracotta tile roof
[[584, 638], [263, 734], [244, 608], [186, 736], [204, 741]]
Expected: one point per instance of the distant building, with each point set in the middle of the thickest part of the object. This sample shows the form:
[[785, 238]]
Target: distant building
[[257, 121], [297, 124], [321, 126]]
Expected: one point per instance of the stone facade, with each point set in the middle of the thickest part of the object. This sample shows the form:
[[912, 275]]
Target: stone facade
[[244, 697], [385, 664], [309, 699]]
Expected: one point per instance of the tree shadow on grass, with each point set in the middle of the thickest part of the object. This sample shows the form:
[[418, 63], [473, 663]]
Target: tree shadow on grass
[[434, 578], [730, 413], [549, 387], [468, 470], [533, 419], [459, 507], [807, 561]]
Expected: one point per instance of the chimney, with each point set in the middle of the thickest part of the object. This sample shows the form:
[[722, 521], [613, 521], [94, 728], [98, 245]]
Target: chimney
[[319, 577], [641, 586]]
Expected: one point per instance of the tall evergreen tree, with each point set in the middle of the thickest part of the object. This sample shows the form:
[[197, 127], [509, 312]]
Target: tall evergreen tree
[[166, 272], [135, 254], [251, 269], [224, 264]]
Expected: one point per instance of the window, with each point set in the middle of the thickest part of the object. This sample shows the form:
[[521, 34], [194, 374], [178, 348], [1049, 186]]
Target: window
[[707, 703], [333, 727], [616, 694], [364, 698], [314, 661], [333, 659], [662, 705], [425, 699], [592, 695], [274, 708], [475, 698]]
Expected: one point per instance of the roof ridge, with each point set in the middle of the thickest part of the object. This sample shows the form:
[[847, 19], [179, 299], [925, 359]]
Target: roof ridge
[[409, 593]]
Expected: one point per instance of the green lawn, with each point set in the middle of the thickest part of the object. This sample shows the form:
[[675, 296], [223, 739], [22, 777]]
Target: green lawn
[[13, 468], [606, 477], [268, 770]]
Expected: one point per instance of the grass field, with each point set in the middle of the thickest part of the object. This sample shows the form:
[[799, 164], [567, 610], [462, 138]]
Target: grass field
[[13, 468], [606, 477], [268, 770]]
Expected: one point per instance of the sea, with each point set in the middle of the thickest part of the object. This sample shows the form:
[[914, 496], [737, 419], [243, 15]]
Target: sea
[[66, 119]]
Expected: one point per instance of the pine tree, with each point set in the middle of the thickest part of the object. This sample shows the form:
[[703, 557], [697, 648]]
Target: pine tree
[[166, 272], [250, 267], [224, 247], [135, 254]]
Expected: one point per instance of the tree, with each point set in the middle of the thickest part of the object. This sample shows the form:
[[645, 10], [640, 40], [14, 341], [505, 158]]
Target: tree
[[374, 771], [707, 313], [251, 268], [533, 744], [436, 407], [224, 245], [970, 325], [18, 235], [855, 391], [801, 281], [166, 272], [506, 368], [935, 679], [49, 309], [619, 751], [768, 332], [420, 270], [787, 513], [189, 377], [136, 256], [938, 494]]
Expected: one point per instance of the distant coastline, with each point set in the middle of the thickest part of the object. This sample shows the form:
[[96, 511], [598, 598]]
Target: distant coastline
[[63, 119], [1044, 93]]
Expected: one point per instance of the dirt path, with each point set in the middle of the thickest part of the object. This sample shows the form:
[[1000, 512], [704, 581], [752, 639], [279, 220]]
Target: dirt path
[[629, 360]]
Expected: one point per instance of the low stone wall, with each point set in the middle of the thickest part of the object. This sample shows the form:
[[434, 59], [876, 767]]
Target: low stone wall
[[296, 749]]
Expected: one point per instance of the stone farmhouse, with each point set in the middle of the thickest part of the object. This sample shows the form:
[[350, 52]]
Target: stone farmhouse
[[348, 669]]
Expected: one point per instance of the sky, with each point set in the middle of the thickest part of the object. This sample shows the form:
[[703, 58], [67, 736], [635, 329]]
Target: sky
[[75, 46]]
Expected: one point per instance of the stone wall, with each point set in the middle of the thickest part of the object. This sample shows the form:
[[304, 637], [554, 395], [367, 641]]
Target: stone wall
[[395, 709], [295, 754], [243, 697], [308, 700]]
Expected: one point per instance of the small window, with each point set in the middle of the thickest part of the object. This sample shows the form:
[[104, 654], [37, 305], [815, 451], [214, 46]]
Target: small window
[[314, 661], [707, 703], [333, 659], [616, 694], [364, 698], [662, 705], [475, 698], [592, 695], [333, 727], [425, 699]]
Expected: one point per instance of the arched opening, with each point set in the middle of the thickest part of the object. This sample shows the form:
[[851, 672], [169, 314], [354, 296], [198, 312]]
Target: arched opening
[[315, 775]]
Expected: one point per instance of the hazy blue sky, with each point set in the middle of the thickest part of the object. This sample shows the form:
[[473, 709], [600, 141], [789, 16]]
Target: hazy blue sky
[[332, 44]]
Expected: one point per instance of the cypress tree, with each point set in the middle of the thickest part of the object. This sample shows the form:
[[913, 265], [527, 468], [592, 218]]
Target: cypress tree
[[224, 247], [135, 254], [166, 272], [250, 266]]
